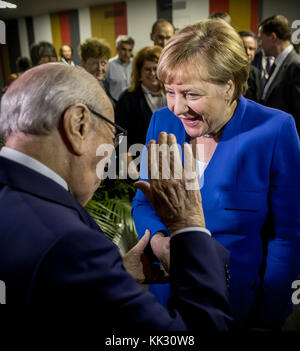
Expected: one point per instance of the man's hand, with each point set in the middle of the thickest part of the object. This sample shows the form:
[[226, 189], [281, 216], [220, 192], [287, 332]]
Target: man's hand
[[140, 267], [160, 246], [173, 191]]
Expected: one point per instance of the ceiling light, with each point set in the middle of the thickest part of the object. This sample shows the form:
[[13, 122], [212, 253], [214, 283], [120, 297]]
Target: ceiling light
[[4, 4]]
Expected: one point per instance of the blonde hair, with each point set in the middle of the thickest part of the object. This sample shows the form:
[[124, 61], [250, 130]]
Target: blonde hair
[[148, 53], [212, 43]]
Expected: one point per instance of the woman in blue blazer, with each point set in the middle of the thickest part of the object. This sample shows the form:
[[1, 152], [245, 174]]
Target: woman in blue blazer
[[251, 159]]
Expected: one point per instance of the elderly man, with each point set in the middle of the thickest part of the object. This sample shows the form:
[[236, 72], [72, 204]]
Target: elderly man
[[162, 31], [51, 250]]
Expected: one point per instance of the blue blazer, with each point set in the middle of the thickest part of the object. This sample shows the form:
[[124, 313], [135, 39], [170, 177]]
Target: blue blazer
[[250, 192], [52, 253]]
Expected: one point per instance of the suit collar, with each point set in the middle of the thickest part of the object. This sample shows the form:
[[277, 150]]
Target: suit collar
[[26, 180], [281, 74]]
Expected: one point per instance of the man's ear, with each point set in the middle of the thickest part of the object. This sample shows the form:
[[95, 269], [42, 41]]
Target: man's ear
[[77, 124], [273, 36]]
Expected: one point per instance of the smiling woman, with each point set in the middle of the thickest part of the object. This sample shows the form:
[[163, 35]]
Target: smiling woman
[[249, 186]]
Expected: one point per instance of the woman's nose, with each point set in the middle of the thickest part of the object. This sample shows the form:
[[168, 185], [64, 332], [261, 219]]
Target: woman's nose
[[180, 107]]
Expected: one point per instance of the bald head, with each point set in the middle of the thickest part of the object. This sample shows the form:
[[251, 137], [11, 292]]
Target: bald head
[[36, 100], [162, 31]]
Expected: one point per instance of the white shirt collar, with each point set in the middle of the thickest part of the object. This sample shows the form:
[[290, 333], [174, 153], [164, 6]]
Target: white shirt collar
[[33, 164]]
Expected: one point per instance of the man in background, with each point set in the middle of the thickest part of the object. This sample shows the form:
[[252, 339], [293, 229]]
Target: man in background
[[282, 89], [254, 91], [222, 15], [66, 53], [118, 77], [162, 31]]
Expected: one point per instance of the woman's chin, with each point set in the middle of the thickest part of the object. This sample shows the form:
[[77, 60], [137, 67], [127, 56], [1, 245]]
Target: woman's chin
[[194, 132]]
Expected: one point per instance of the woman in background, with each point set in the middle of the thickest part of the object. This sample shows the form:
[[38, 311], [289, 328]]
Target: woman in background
[[95, 53], [145, 95]]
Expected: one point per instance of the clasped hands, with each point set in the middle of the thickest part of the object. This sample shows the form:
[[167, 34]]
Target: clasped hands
[[174, 194]]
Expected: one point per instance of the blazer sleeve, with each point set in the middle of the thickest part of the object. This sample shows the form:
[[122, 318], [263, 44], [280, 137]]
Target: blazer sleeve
[[282, 264], [295, 95], [86, 269]]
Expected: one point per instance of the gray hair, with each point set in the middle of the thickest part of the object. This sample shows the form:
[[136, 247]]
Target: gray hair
[[124, 39], [35, 102]]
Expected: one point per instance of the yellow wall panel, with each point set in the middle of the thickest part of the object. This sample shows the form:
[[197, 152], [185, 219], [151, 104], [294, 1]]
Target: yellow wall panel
[[55, 27], [103, 24], [240, 12]]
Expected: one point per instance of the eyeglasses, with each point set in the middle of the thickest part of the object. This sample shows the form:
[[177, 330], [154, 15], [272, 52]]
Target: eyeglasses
[[120, 135]]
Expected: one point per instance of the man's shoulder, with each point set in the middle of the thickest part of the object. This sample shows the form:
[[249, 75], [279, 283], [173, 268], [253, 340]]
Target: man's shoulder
[[292, 65]]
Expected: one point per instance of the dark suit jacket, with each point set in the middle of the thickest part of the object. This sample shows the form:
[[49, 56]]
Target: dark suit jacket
[[254, 91], [284, 91], [53, 253], [134, 114]]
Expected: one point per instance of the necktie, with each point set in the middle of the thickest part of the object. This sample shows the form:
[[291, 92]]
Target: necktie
[[268, 65], [271, 72]]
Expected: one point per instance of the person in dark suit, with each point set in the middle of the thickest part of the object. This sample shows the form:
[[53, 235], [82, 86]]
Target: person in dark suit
[[137, 104], [254, 90], [282, 89], [52, 253]]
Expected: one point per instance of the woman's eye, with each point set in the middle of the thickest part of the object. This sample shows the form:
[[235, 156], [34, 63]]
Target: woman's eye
[[192, 95], [169, 92]]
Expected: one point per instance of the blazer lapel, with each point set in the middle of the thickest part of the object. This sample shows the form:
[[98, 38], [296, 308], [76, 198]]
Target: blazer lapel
[[280, 76], [27, 180]]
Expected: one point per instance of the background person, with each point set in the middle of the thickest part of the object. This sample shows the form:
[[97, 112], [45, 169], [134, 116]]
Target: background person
[[23, 63], [282, 89], [254, 91], [42, 52], [66, 53], [95, 53], [222, 15], [249, 169], [119, 71], [162, 31], [58, 255]]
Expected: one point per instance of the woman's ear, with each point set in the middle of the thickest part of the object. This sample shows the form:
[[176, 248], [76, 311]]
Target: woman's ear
[[229, 90], [77, 123]]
